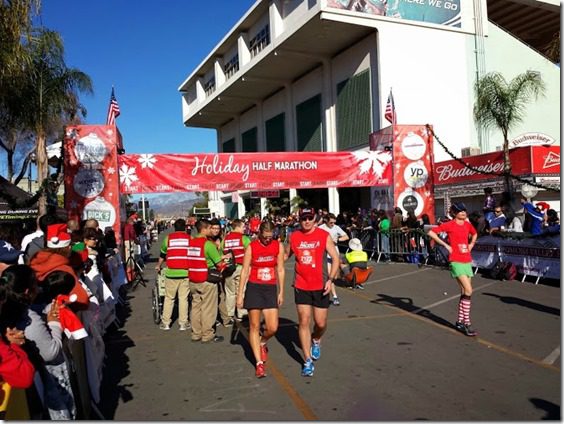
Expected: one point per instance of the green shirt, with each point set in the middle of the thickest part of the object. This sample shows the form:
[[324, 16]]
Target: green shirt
[[246, 242], [210, 252], [385, 226], [171, 273]]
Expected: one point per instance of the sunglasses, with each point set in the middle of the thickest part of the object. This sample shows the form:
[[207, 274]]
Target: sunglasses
[[306, 218]]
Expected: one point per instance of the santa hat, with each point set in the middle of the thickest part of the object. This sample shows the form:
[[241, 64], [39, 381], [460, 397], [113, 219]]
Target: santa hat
[[58, 236], [543, 206], [70, 323]]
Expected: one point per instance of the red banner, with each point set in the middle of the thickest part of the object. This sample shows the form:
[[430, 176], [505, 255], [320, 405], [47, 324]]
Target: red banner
[[91, 178], [156, 173], [413, 170], [524, 161]]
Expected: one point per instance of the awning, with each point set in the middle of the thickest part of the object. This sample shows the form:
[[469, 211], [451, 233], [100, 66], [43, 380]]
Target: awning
[[8, 213]]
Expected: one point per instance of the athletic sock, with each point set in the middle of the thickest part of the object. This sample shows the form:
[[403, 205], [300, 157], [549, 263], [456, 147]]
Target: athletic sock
[[460, 310], [466, 302]]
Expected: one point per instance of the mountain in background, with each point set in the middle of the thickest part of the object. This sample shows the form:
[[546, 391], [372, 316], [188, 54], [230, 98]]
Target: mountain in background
[[170, 205]]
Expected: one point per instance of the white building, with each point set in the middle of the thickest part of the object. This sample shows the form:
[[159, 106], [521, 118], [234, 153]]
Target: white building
[[314, 75]]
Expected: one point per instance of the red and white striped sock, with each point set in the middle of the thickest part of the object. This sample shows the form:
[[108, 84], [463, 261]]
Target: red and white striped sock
[[460, 311], [466, 303]]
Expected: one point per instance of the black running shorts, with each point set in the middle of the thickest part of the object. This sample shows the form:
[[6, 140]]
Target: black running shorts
[[260, 296], [311, 297]]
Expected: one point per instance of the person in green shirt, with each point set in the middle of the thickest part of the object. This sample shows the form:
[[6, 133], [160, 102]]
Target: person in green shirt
[[205, 294], [176, 275], [235, 243], [384, 232]]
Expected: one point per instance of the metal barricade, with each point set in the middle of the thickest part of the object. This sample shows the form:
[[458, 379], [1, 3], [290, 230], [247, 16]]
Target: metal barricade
[[409, 245]]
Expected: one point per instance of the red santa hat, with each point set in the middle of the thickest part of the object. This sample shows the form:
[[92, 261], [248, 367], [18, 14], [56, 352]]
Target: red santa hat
[[70, 323], [543, 206], [58, 236]]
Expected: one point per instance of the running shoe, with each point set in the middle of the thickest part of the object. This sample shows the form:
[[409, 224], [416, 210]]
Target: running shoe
[[360, 287], [263, 352], [315, 350], [466, 329], [307, 370], [259, 371], [184, 327], [336, 301], [165, 327]]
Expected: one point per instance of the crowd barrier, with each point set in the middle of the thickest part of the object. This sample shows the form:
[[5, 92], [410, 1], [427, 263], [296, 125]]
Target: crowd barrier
[[412, 245]]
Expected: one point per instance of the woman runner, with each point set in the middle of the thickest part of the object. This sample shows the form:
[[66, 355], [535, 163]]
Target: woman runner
[[262, 290]]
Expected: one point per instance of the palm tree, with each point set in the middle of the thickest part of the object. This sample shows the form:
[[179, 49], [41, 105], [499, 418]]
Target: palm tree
[[52, 92], [501, 105]]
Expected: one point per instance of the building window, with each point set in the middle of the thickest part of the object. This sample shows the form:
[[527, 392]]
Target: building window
[[275, 134], [353, 110], [229, 146], [309, 125], [260, 41], [249, 141], [209, 86], [231, 67]]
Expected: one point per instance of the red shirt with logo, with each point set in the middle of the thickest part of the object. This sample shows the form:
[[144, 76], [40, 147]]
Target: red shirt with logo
[[263, 262], [310, 251], [458, 238]]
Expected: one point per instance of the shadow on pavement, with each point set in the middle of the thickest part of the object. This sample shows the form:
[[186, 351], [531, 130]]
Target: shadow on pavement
[[525, 303], [116, 363], [287, 335], [406, 304], [552, 410]]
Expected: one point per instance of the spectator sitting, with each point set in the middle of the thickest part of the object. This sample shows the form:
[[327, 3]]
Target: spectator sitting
[[355, 258], [553, 222], [499, 222]]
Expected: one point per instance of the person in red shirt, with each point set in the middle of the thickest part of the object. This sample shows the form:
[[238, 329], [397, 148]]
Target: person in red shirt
[[262, 290], [312, 283], [254, 224], [461, 240]]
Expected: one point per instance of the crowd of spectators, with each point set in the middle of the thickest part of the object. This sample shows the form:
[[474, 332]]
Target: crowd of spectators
[[60, 286]]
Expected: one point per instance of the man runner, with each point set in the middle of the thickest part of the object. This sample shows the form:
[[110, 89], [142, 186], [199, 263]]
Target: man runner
[[312, 285]]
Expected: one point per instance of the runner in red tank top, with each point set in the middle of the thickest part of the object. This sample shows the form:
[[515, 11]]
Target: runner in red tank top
[[312, 285], [263, 270]]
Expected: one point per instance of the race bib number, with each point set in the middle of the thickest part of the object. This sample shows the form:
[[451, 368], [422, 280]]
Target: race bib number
[[307, 258], [265, 274]]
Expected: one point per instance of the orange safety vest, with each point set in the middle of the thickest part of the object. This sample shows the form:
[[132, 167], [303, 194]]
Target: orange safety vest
[[177, 250], [197, 265], [234, 242]]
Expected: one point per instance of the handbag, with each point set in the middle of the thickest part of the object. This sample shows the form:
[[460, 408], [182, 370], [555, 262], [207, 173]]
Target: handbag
[[214, 276]]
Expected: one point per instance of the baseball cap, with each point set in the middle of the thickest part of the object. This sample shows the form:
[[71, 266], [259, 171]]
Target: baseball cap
[[305, 212], [8, 253], [458, 207]]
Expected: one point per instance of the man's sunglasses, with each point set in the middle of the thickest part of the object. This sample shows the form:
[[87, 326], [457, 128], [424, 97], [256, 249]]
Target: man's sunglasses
[[307, 218]]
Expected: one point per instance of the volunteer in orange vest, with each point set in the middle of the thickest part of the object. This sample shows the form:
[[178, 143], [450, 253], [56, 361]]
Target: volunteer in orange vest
[[312, 283], [202, 255], [263, 271], [236, 242], [174, 250]]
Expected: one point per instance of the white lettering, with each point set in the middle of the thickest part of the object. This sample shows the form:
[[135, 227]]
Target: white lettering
[[217, 167]]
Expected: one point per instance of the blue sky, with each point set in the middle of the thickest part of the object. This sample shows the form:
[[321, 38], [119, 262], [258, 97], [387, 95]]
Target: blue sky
[[145, 49]]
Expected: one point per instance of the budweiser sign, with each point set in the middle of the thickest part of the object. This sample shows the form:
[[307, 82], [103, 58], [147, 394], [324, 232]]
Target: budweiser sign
[[446, 174]]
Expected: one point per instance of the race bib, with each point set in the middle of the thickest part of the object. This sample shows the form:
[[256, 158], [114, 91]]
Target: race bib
[[265, 274], [307, 258]]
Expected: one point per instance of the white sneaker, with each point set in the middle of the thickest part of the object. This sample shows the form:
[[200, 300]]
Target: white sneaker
[[165, 327], [184, 327]]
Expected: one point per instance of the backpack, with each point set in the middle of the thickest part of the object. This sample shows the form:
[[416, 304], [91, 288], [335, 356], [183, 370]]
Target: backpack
[[509, 271], [503, 271]]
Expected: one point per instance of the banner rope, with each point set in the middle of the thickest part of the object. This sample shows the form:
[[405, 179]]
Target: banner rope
[[480, 171]]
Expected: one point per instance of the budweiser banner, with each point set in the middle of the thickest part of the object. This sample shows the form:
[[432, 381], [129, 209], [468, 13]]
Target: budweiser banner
[[166, 173], [413, 170], [524, 161], [91, 178]]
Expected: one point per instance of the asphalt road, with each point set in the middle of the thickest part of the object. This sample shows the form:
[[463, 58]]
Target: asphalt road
[[390, 353]]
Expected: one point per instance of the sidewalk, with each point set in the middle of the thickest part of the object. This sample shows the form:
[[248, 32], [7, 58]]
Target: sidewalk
[[390, 353]]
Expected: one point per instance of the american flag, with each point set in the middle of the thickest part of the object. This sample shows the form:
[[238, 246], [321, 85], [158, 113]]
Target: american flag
[[390, 113], [113, 110]]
